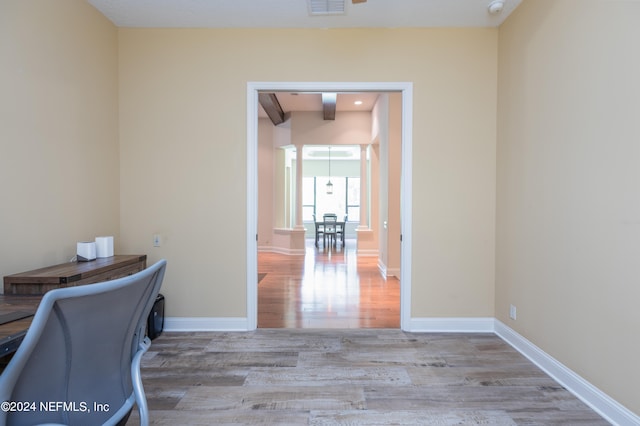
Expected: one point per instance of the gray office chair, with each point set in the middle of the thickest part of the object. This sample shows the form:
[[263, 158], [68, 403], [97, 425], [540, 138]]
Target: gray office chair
[[79, 363]]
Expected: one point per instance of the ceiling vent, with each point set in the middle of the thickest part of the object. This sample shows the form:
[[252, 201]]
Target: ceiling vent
[[326, 7]]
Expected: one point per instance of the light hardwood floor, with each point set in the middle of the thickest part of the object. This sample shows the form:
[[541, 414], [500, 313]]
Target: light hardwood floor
[[350, 377], [326, 288]]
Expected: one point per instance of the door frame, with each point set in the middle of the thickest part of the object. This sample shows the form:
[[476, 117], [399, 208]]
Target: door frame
[[406, 89]]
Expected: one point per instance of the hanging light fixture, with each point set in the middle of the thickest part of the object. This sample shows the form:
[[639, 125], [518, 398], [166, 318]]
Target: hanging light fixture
[[329, 184]]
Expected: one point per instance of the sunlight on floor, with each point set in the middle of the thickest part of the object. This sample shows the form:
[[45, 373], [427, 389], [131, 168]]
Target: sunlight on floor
[[329, 287]]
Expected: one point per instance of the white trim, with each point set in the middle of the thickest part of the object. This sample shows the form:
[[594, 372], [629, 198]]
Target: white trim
[[393, 272], [406, 88], [282, 250], [600, 402], [252, 208], [450, 325], [382, 268], [406, 207], [368, 252], [387, 272], [184, 324]]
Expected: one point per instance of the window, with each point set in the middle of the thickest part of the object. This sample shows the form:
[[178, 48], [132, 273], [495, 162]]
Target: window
[[353, 199], [345, 200], [308, 198]]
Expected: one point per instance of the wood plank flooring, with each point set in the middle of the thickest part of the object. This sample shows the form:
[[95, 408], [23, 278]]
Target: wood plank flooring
[[326, 288], [328, 351], [354, 377]]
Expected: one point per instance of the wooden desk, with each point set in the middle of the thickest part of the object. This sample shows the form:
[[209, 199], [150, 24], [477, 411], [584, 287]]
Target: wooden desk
[[24, 291], [22, 308], [70, 274]]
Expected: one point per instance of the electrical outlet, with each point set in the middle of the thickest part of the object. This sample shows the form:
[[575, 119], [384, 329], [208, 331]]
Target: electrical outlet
[[156, 240], [512, 312]]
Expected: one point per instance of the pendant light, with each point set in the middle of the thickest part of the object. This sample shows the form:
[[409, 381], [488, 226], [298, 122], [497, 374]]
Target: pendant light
[[329, 184]]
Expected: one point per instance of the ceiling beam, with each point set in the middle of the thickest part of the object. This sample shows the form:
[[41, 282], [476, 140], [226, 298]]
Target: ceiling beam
[[272, 107], [329, 105]]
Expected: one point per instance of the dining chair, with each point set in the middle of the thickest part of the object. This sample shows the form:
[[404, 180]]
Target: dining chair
[[330, 228], [319, 229], [340, 231], [79, 363], [328, 217]]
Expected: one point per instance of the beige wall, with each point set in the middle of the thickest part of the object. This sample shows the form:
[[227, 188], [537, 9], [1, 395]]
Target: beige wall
[[183, 141], [568, 186], [395, 166], [387, 134], [381, 207], [59, 172], [266, 182], [348, 128]]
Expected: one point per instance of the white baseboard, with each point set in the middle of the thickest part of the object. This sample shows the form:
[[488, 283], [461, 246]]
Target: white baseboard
[[205, 324], [282, 250], [393, 272], [451, 325], [387, 272], [601, 403], [368, 252], [382, 268]]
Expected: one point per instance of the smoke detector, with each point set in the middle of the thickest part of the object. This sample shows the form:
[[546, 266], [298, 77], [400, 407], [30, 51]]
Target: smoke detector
[[496, 7]]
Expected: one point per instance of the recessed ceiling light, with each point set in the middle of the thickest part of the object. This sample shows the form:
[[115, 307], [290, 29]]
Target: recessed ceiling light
[[357, 103]]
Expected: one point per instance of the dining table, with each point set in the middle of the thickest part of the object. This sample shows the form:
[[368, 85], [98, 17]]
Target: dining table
[[320, 229]]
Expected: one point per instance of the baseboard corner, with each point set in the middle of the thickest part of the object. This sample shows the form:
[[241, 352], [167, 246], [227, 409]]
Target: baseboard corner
[[601, 403]]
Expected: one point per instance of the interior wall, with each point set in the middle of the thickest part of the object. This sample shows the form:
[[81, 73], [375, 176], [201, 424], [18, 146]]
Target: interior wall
[[266, 182], [381, 137], [348, 128], [349, 168], [394, 225], [59, 173], [568, 210], [183, 104], [387, 133]]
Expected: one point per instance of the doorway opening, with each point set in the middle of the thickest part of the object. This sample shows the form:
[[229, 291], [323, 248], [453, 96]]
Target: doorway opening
[[253, 91]]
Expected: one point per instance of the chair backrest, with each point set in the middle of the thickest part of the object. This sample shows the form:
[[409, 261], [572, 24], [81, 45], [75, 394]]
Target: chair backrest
[[75, 361], [330, 217]]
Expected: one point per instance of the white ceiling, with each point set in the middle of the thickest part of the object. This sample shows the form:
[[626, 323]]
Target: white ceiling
[[295, 13], [313, 101]]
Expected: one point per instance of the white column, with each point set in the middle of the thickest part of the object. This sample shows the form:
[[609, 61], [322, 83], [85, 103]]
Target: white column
[[298, 207], [364, 204]]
